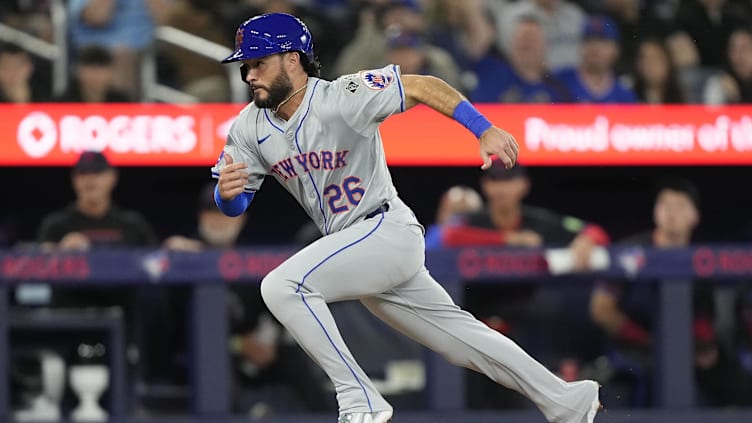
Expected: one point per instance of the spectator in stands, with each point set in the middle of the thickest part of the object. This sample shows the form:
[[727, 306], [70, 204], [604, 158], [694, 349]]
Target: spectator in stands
[[214, 229], [30, 16], [523, 78], [415, 56], [462, 29], [626, 312], [563, 21], [635, 20], [709, 24], [93, 78], [507, 221], [125, 27], [457, 201], [368, 48], [264, 354], [93, 219], [686, 60], [16, 69], [654, 77], [734, 85], [595, 81], [201, 77]]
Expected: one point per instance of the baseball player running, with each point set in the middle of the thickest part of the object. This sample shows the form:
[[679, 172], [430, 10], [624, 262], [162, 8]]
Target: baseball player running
[[320, 140]]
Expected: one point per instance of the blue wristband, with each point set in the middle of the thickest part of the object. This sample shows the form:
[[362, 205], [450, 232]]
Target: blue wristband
[[234, 207], [466, 114]]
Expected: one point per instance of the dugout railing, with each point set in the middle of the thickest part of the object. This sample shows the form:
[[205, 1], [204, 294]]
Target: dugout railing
[[207, 274]]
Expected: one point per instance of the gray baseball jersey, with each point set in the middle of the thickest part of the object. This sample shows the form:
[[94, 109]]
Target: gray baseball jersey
[[329, 156]]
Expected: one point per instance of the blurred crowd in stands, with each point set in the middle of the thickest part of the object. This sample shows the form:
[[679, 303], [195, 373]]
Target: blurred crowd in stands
[[495, 51], [523, 51]]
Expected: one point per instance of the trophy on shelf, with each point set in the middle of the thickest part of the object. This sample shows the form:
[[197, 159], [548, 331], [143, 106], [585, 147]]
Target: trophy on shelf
[[89, 381]]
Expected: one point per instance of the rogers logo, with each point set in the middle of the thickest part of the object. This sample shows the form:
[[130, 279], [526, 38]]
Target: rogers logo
[[37, 134]]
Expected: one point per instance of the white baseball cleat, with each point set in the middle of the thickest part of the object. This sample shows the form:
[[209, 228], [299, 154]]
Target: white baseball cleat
[[377, 417], [595, 405]]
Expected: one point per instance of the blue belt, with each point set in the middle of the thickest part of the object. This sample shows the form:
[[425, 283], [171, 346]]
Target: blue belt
[[381, 209]]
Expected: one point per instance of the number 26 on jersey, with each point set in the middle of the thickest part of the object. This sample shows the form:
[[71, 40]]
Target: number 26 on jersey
[[341, 197]]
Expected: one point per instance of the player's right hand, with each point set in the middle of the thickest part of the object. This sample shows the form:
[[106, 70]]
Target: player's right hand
[[500, 143], [232, 178]]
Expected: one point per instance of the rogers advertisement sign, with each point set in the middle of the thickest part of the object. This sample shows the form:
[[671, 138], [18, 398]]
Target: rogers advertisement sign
[[193, 135], [131, 135]]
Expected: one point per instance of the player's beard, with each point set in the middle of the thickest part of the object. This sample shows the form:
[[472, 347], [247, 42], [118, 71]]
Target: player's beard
[[278, 91]]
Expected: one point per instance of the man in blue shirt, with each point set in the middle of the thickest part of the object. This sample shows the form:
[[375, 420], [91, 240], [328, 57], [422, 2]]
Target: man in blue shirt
[[595, 81], [523, 78]]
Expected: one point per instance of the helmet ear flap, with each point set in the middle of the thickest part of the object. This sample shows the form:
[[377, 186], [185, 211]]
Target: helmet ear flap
[[244, 72]]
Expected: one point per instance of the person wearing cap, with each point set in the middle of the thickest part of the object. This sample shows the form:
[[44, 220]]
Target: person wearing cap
[[507, 221], [369, 44], [594, 80], [414, 55], [93, 220], [626, 311]]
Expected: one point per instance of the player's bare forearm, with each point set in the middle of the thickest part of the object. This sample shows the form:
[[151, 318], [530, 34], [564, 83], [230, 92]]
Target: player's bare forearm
[[440, 96], [431, 91]]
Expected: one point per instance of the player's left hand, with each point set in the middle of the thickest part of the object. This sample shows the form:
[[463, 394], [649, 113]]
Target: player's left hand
[[500, 143]]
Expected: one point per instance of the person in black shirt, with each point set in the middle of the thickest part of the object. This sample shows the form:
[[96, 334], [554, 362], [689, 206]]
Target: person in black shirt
[[626, 312], [507, 221], [709, 24], [92, 82], [93, 220]]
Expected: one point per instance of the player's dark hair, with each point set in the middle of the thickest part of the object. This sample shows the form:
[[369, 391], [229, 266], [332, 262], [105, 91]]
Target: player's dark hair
[[681, 185], [312, 68]]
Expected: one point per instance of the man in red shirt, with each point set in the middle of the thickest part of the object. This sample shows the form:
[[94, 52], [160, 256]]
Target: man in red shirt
[[507, 221]]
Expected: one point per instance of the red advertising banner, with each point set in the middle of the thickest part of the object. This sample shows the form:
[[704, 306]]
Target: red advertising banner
[[193, 135], [130, 134]]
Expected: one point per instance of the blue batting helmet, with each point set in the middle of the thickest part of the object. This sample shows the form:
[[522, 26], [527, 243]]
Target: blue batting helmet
[[269, 34]]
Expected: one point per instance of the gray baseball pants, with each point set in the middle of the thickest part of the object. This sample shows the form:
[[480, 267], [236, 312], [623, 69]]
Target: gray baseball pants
[[380, 261]]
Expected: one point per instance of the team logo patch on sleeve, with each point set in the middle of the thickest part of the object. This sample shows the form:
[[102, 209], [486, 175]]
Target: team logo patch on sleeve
[[352, 86], [376, 79]]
